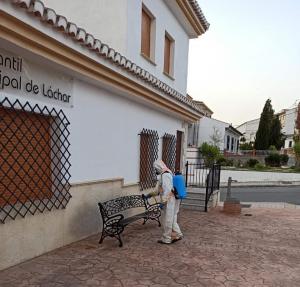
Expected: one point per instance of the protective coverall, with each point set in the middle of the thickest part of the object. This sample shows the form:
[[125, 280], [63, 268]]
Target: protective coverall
[[171, 204]]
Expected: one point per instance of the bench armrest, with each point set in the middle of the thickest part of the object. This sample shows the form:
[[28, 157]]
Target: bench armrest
[[113, 219], [153, 207]]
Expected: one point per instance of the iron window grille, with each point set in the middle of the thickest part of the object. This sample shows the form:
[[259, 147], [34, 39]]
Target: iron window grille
[[148, 154], [34, 159], [169, 151]]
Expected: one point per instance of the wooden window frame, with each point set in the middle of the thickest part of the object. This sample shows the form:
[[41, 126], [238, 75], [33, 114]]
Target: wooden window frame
[[179, 146], [168, 66], [148, 55], [34, 159]]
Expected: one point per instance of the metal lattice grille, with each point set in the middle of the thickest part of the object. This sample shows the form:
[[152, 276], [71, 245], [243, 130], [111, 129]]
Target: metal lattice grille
[[148, 154], [169, 151], [34, 159]]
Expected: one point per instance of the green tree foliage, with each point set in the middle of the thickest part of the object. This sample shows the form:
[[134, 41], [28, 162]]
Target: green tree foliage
[[263, 134], [276, 136], [297, 153], [210, 153], [246, 146]]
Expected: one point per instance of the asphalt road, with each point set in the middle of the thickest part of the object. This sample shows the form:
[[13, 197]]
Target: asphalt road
[[288, 194]]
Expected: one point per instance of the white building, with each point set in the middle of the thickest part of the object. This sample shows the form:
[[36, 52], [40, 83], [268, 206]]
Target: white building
[[249, 129], [88, 95], [216, 132], [287, 118]]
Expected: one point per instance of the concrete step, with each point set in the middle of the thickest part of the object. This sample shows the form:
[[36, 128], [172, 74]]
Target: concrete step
[[191, 206]]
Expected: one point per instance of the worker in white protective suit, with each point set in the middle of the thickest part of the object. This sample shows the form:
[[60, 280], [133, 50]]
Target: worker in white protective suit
[[170, 205]]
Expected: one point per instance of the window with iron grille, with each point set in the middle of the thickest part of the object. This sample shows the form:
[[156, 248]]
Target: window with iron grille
[[169, 151], [34, 159], [148, 154]]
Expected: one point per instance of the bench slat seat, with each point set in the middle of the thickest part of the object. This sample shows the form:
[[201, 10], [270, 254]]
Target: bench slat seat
[[114, 221]]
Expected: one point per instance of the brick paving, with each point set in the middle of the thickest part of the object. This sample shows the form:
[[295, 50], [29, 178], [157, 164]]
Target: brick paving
[[218, 250]]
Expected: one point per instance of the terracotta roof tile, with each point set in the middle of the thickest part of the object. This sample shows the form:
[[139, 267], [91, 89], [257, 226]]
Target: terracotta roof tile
[[199, 14]]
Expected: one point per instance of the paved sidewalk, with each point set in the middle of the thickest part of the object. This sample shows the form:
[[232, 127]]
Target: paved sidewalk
[[218, 250]]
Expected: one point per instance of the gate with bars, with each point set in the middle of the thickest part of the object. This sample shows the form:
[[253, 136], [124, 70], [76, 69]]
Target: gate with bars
[[201, 176]]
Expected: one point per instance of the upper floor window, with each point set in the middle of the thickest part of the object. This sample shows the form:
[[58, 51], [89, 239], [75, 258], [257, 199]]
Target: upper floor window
[[147, 34], [168, 55]]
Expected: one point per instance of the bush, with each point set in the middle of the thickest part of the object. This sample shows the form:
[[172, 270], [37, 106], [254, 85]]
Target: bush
[[259, 166], [297, 153], [272, 148], [229, 162], [210, 153], [273, 159], [284, 158], [252, 162], [238, 163], [222, 160]]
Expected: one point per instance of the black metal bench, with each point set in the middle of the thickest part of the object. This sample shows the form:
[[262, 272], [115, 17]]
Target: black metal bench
[[114, 220]]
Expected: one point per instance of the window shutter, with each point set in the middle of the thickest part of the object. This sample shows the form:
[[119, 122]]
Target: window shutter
[[167, 59], [146, 34]]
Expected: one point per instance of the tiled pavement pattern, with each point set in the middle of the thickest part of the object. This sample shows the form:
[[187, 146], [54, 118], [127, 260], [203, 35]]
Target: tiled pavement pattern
[[218, 250]]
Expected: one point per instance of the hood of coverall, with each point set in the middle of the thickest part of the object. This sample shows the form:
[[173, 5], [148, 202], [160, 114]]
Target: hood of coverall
[[161, 167]]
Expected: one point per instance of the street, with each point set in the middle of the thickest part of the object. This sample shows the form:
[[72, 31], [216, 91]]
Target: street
[[288, 194]]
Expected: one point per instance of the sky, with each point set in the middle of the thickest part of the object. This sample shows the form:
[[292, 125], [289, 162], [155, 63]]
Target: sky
[[250, 53]]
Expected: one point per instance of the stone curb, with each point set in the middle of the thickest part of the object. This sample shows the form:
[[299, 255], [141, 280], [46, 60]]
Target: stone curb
[[261, 183], [267, 205]]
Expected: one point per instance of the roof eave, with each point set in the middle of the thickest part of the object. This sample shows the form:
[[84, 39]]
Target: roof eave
[[194, 15]]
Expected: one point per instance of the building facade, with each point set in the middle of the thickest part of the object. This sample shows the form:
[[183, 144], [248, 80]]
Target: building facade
[[287, 119], [88, 102], [215, 132]]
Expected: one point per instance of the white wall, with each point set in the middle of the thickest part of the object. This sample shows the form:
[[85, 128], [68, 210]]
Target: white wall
[[249, 129], [118, 24], [206, 130], [165, 21], [105, 19], [289, 125], [104, 133]]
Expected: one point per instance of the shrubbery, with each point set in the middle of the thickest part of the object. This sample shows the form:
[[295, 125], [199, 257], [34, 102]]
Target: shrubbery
[[210, 153], [225, 162], [252, 162], [259, 166], [284, 158], [276, 160], [222, 161], [273, 160]]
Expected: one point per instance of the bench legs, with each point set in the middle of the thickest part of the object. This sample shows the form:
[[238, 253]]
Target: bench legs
[[118, 236]]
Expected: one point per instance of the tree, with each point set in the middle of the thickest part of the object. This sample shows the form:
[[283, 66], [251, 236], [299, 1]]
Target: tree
[[210, 153], [216, 137], [263, 134], [276, 136], [297, 125], [297, 153], [246, 146]]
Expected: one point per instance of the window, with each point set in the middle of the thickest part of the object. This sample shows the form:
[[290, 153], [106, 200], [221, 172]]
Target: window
[[290, 143], [228, 143], [179, 138], [147, 34], [169, 151], [148, 154], [232, 144], [34, 159], [168, 55]]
